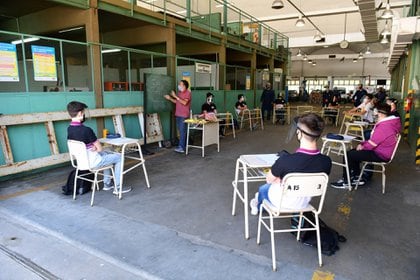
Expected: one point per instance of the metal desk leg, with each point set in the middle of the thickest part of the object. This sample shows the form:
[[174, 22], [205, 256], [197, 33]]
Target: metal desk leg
[[346, 166], [188, 139], [246, 201], [235, 187]]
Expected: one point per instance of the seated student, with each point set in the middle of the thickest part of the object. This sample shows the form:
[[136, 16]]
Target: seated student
[[365, 109], [279, 109], [97, 157], [209, 111], [240, 105], [378, 148], [307, 159]]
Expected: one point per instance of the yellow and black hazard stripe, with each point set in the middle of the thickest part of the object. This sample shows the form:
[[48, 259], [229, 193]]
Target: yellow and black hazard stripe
[[406, 124], [418, 147]]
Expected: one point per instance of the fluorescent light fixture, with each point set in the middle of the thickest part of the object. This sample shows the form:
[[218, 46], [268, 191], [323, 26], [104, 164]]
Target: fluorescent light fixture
[[277, 4], [299, 53], [110, 50], [313, 63], [310, 61], [368, 50], [26, 40], [360, 55], [305, 57], [70, 29], [182, 12], [300, 22], [354, 60]]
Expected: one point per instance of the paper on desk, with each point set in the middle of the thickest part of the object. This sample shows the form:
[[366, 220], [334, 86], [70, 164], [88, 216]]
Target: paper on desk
[[118, 141], [261, 160]]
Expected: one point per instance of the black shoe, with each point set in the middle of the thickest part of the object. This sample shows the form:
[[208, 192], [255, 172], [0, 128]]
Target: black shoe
[[340, 184]]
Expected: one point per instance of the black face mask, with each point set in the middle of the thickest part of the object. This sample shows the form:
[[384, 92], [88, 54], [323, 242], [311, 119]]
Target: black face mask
[[83, 119]]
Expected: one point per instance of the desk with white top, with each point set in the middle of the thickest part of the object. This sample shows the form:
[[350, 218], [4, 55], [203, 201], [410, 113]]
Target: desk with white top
[[209, 134], [134, 146], [253, 169], [338, 147]]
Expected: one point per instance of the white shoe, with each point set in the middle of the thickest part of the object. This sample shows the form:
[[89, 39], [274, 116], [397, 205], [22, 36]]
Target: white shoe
[[125, 190], [254, 206]]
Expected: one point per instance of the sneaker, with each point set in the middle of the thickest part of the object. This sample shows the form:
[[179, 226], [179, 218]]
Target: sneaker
[[254, 207], [340, 184], [108, 187], [362, 182], [125, 190], [179, 150]]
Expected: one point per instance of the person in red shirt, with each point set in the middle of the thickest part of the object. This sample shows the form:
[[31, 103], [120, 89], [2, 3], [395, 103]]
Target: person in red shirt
[[182, 102]]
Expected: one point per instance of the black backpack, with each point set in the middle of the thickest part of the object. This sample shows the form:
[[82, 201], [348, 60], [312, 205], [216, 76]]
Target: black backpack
[[329, 237], [82, 185]]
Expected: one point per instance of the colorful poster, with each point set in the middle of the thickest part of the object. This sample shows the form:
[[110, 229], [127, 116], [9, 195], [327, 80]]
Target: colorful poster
[[44, 63], [8, 63], [187, 76]]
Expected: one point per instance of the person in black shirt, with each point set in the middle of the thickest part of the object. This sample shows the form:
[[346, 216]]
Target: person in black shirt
[[306, 159], [279, 109], [210, 108], [96, 155], [240, 105], [358, 95], [267, 100]]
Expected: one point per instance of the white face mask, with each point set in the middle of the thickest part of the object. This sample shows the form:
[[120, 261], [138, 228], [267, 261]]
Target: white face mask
[[180, 88], [209, 100]]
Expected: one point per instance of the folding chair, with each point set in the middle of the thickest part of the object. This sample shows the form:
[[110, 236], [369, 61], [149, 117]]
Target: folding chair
[[80, 160], [331, 113], [380, 164], [297, 186], [281, 114], [228, 121]]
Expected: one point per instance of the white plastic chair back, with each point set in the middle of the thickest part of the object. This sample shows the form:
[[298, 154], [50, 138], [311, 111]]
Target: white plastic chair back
[[304, 185], [395, 148], [78, 152]]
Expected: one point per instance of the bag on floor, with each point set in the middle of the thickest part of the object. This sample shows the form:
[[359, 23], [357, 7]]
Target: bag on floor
[[329, 237], [81, 185]]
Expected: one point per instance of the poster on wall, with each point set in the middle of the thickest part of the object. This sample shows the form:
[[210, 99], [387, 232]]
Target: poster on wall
[[8, 63], [44, 63], [248, 82], [187, 76]]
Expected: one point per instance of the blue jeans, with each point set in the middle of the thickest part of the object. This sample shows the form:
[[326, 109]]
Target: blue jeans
[[182, 127], [263, 194], [108, 158]]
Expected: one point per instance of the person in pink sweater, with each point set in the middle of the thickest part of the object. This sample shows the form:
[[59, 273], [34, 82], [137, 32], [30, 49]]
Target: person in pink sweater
[[378, 148]]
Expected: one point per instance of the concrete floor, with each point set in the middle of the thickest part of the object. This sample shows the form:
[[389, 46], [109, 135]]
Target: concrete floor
[[182, 228]]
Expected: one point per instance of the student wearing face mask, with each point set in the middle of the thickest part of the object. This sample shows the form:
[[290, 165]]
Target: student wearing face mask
[[365, 109], [378, 148], [182, 102], [306, 159], [96, 155], [209, 112]]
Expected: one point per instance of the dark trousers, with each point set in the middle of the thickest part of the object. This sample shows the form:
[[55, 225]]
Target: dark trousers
[[268, 110], [355, 157]]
